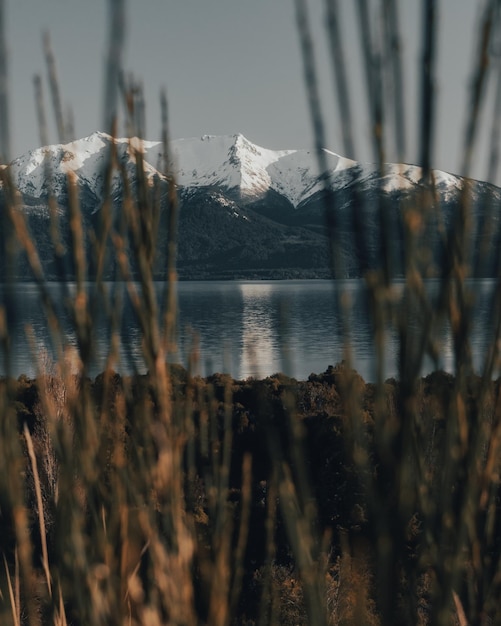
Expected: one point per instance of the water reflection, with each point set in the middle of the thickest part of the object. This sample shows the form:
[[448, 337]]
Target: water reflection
[[245, 328], [259, 343]]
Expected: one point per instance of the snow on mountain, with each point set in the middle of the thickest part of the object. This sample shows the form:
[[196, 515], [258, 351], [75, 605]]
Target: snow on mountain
[[233, 162], [37, 171], [402, 177], [228, 163], [84, 157], [296, 175]]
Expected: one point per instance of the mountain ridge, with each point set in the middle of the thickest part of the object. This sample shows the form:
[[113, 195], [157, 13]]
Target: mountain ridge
[[231, 161], [245, 211]]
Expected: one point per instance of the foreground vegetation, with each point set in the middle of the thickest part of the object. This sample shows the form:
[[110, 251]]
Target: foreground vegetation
[[245, 502]]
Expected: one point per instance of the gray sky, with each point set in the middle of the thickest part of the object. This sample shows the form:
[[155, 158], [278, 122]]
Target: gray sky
[[232, 66]]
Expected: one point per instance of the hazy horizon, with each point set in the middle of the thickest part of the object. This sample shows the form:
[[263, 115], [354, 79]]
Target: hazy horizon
[[232, 67]]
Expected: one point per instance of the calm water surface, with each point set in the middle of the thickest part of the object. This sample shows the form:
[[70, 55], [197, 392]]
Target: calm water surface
[[245, 328]]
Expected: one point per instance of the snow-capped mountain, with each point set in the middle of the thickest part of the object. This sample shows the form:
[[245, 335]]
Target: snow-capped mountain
[[245, 210], [229, 162], [46, 169], [235, 163]]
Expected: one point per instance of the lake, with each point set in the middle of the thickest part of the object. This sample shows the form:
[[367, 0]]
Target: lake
[[246, 328]]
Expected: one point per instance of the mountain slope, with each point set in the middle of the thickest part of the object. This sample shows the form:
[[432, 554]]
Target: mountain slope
[[245, 211]]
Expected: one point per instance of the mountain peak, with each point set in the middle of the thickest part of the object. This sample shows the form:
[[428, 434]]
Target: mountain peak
[[230, 162], [241, 140], [95, 136]]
